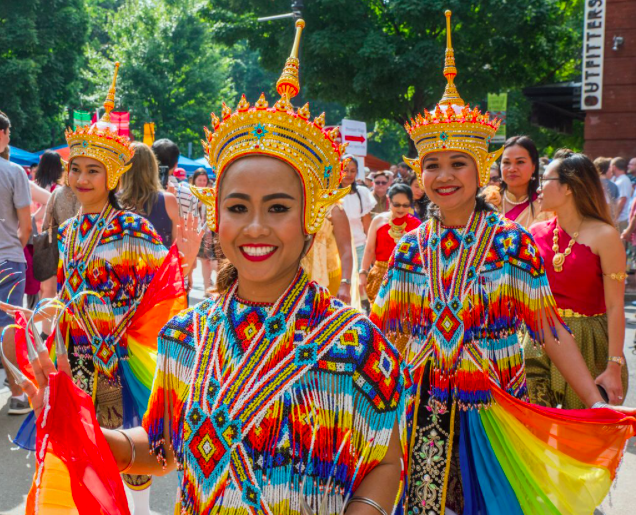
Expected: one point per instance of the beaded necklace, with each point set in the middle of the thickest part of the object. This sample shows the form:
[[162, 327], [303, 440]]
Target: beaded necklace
[[225, 402], [445, 340]]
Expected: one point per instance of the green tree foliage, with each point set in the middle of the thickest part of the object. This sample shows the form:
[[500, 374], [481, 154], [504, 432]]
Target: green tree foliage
[[41, 51], [171, 71], [384, 59]]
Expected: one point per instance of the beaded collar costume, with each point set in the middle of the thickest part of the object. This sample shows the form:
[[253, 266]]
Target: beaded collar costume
[[453, 125], [273, 406], [101, 142], [284, 133]]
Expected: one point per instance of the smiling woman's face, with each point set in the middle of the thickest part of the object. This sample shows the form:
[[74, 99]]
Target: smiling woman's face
[[261, 219], [450, 179], [87, 178]]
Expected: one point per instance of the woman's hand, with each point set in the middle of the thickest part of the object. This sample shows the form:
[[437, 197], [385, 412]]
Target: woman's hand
[[344, 293], [610, 380], [11, 310], [43, 367], [188, 242]]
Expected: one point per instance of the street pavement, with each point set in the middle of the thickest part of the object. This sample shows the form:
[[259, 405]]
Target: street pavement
[[16, 466]]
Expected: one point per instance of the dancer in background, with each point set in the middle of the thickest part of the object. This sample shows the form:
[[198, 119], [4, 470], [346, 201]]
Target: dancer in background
[[459, 288], [275, 397], [109, 260], [585, 265]]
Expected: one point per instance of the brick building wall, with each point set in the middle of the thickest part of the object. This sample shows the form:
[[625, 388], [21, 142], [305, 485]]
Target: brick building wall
[[611, 131]]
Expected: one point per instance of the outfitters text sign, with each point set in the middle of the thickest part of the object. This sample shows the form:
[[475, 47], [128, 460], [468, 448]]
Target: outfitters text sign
[[593, 45]]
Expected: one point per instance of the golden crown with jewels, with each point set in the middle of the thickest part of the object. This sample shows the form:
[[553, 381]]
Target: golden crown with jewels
[[281, 132], [101, 142], [453, 125]]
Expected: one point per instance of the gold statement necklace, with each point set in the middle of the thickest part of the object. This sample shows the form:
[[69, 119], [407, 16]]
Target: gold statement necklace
[[558, 260], [396, 231]]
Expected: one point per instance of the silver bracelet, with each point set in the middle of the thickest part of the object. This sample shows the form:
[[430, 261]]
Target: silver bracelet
[[132, 452], [366, 500], [600, 404]]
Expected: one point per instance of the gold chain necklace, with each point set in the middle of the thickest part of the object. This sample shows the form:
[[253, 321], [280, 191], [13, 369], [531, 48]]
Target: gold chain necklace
[[558, 259]]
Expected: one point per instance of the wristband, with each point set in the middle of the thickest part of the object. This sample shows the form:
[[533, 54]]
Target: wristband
[[362, 271], [600, 404], [368, 502], [616, 359], [346, 281]]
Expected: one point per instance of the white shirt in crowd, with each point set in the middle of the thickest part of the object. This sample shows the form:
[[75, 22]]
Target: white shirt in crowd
[[624, 190], [356, 205]]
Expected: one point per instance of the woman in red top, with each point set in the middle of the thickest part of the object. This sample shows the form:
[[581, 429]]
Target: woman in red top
[[585, 264], [385, 231]]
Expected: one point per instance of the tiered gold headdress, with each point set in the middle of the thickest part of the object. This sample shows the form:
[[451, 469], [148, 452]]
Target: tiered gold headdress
[[282, 132], [100, 141], [453, 125]]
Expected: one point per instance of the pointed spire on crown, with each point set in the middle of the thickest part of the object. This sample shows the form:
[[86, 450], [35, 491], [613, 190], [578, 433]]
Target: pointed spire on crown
[[451, 96], [288, 84], [109, 103]]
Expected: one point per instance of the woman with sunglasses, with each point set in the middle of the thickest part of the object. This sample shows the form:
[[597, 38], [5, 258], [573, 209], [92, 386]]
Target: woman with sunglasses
[[385, 231], [585, 264], [380, 188]]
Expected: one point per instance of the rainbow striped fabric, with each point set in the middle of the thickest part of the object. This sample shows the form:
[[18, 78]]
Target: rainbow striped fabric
[[115, 332], [458, 297], [270, 402]]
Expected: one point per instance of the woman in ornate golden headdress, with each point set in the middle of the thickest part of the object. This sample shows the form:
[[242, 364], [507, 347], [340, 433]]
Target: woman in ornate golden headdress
[[274, 398], [119, 282], [458, 288]]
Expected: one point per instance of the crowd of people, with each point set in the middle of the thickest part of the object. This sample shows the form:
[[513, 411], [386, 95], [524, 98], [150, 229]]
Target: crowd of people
[[389, 341]]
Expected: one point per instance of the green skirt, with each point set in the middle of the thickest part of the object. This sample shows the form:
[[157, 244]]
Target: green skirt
[[546, 385]]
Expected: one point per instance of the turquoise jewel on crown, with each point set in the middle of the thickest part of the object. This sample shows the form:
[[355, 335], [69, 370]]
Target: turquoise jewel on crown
[[444, 136], [259, 131]]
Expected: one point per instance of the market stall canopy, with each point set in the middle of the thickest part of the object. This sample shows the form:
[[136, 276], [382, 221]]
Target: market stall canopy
[[22, 157]]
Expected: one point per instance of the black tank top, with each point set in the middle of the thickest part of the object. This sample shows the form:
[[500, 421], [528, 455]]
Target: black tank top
[[160, 220]]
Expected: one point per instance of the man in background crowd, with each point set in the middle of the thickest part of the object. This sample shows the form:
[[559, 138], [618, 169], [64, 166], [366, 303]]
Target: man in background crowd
[[611, 190], [381, 183], [618, 171], [167, 153], [403, 174], [15, 230]]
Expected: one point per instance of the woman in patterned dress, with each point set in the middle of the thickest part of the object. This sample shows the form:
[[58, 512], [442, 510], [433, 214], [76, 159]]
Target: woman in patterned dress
[[458, 289], [274, 398], [109, 259]]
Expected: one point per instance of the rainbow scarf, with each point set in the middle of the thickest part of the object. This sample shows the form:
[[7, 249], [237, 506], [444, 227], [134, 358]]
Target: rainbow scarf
[[519, 458]]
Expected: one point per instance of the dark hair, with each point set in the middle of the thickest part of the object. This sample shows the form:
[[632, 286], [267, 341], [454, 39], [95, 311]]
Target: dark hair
[[579, 174], [5, 123], [420, 204], [167, 152], [531, 148], [602, 164], [402, 188], [112, 198], [620, 163], [197, 173], [403, 165], [50, 169]]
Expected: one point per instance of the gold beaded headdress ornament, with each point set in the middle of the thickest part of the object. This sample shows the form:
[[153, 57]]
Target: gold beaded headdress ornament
[[453, 125], [281, 132], [101, 142]]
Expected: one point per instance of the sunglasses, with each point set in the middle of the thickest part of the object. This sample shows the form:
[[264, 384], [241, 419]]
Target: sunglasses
[[398, 206], [381, 183]]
